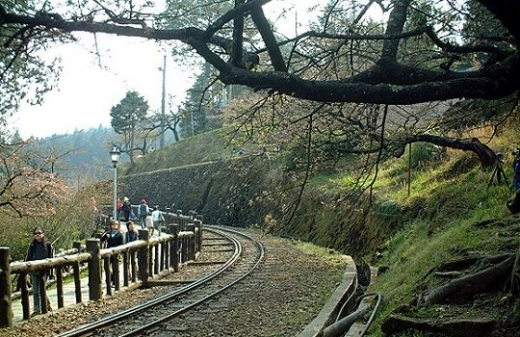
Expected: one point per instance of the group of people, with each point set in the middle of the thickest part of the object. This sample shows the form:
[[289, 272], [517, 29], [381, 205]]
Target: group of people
[[113, 238], [145, 216], [40, 248]]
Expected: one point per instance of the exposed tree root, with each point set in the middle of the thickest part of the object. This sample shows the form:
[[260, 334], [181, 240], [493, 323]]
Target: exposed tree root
[[487, 273], [471, 327], [449, 274], [468, 261], [468, 284]]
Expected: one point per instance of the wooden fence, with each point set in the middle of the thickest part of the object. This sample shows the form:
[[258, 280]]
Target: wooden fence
[[142, 260]]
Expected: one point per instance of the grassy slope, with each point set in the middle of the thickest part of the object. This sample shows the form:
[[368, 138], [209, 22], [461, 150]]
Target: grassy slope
[[211, 146], [452, 213], [438, 213]]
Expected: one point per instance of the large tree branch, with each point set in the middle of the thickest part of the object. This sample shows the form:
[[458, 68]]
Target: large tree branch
[[445, 87], [386, 82], [486, 155], [238, 37], [470, 283], [232, 14], [273, 49]]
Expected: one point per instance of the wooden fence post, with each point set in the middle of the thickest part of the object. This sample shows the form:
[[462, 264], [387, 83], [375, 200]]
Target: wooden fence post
[[190, 243], [24, 289], [77, 273], [164, 256], [156, 260], [142, 258], [183, 248], [108, 276], [6, 310], [94, 270], [180, 220], [133, 274], [59, 286], [126, 268], [198, 234], [174, 247]]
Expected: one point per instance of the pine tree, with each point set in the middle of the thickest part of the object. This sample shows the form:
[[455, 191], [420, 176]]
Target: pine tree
[[127, 116]]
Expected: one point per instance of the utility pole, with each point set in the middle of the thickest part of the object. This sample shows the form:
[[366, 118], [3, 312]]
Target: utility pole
[[163, 116], [192, 127]]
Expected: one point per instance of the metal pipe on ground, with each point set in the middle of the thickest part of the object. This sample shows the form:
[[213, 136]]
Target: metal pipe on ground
[[343, 325]]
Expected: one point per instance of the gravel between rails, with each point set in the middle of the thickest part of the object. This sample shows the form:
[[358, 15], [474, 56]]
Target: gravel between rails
[[280, 299]]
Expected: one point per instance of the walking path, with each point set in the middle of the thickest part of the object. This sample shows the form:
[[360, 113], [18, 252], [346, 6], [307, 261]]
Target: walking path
[[69, 293], [69, 296]]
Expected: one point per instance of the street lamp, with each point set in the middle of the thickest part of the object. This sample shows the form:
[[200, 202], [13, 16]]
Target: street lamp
[[115, 153]]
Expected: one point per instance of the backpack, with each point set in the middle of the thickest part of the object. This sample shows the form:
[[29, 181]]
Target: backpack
[[143, 210]]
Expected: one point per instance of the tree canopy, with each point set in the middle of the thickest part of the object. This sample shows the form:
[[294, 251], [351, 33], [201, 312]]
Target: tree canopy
[[128, 118], [389, 74]]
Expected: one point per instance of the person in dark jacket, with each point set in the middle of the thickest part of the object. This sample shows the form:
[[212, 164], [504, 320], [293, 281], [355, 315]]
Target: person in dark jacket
[[113, 238], [132, 234], [126, 208], [39, 249]]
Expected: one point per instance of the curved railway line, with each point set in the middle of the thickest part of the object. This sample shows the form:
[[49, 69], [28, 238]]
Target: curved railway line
[[172, 311]]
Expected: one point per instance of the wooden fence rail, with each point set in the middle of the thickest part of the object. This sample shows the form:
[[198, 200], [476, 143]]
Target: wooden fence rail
[[142, 260]]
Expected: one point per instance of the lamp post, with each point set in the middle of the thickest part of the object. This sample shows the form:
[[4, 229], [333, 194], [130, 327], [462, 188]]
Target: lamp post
[[163, 118], [115, 153]]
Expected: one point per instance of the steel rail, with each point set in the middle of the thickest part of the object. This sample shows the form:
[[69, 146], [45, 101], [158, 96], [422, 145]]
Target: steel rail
[[260, 258], [87, 329]]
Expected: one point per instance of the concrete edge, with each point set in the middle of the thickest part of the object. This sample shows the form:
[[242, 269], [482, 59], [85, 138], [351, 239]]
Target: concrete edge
[[330, 310]]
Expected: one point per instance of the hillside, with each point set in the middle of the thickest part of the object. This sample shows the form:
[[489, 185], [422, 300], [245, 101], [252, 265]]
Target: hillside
[[435, 220], [208, 147]]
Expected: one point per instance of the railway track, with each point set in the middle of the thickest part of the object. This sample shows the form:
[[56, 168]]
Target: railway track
[[171, 312]]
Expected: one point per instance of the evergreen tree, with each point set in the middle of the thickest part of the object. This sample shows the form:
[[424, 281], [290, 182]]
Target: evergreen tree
[[127, 116], [204, 103]]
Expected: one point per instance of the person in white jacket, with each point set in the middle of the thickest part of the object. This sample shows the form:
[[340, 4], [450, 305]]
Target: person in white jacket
[[149, 224], [158, 218]]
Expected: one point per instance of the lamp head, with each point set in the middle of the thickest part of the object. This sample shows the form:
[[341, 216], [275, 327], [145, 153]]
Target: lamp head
[[115, 153]]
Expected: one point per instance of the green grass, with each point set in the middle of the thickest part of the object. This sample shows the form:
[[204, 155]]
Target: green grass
[[454, 200]]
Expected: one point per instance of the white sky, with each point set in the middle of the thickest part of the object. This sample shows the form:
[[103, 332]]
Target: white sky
[[86, 92]]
